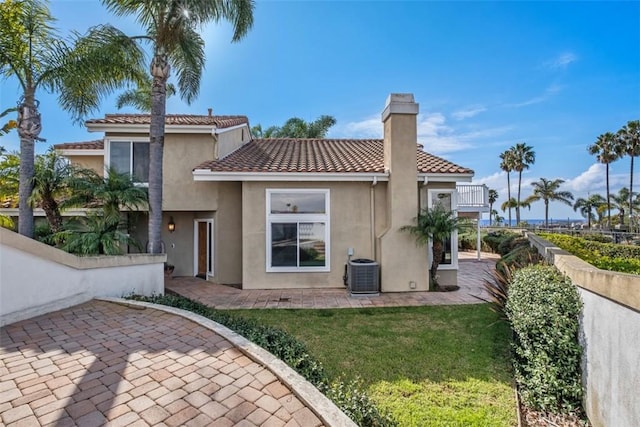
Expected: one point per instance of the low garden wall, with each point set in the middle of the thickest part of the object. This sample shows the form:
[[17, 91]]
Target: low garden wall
[[36, 279], [610, 333]]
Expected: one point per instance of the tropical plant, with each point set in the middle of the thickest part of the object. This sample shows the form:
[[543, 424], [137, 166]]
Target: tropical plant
[[434, 226], [297, 128], [100, 232], [547, 190], [606, 151], [588, 206], [523, 157], [82, 72], [171, 28], [6, 222], [493, 197], [140, 96], [52, 174], [629, 144], [9, 179], [9, 126], [507, 165]]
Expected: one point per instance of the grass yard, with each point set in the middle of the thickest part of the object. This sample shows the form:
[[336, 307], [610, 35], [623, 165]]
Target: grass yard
[[427, 366]]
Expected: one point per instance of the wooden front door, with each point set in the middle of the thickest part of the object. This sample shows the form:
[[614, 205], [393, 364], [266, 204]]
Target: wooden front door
[[202, 249]]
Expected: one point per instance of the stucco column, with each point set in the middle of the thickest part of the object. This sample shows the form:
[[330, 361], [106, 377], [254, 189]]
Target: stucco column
[[403, 264]]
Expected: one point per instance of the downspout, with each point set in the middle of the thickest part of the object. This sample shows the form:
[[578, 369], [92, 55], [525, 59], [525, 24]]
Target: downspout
[[372, 199]]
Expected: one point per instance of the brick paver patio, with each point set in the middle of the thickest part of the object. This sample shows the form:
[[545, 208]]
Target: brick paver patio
[[102, 363], [470, 279]]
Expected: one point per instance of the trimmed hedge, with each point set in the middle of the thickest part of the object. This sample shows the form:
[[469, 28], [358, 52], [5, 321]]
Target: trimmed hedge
[[607, 256], [543, 308], [347, 396]]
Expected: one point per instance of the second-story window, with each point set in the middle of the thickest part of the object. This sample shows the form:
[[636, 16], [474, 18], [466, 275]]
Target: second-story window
[[130, 157]]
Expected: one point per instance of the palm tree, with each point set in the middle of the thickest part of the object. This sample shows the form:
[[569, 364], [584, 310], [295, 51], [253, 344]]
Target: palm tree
[[547, 190], [629, 141], [606, 151], [50, 182], [523, 157], [9, 126], [81, 72], [100, 232], [588, 205], [9, 178], [297, 128], [508, 204], [434, 226], [140, 97], [493, 197], [620, 201], [507, 165], [171, 28]]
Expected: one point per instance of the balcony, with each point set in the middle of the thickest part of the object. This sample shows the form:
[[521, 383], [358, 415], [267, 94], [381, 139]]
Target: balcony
[[473, 198]]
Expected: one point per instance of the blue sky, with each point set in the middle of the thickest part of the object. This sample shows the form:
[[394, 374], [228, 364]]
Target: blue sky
[[487, 75]]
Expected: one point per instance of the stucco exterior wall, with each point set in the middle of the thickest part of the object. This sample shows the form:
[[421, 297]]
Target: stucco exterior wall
[[350, 227], [231, 140], [610, 333], [36, 279], [228, 234], [95, 163], [180, 192]]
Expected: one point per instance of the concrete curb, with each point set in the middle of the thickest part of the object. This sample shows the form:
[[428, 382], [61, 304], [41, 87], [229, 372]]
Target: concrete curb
[[317, 402]]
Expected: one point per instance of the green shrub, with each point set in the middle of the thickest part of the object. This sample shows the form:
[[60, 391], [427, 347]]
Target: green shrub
[[543, 308], [597, 237], [520, 256], [347, 396], [468, 240], [495, 238], [607, 256]]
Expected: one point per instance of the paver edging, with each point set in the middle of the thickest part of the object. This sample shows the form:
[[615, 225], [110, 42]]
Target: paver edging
[[317, 402]]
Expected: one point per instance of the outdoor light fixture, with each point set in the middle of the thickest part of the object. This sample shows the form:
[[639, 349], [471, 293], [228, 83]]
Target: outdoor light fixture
[[172, 225]]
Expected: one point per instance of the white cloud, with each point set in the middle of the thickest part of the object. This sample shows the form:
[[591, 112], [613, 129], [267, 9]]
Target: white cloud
[[468, 112], [548, 93], [368, 128], [562, 61], [593, 180]]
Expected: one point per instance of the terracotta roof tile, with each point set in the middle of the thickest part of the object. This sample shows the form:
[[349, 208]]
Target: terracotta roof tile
[[220, 122], [97, 144], [320, 155]]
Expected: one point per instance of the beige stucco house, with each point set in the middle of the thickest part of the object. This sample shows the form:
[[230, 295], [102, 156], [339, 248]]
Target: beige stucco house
[[287, 213]]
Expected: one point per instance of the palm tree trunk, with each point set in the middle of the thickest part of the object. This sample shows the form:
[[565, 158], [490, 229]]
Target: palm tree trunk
[[518, 205], [546, 214], [29, 126], [437, 250], [608, 200], [509, 196], [631, 228], [160, 74], [52, 212]]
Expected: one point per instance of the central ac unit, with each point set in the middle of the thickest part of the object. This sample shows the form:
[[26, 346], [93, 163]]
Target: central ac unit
[[363, 276]]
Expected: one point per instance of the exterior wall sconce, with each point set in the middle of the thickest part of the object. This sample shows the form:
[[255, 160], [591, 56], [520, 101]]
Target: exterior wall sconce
[[171, 225]]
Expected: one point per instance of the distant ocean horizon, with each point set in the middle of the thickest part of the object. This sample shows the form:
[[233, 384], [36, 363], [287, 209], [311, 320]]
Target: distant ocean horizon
[[552, 221]]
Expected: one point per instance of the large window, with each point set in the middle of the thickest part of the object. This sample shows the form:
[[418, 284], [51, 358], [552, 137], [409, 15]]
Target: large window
[[130, 157], [297, 230], [445, 198]]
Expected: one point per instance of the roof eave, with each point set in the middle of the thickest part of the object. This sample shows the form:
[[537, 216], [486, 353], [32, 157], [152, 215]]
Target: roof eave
[[445, 177], [144, 128], [80, 151], [208, 175]]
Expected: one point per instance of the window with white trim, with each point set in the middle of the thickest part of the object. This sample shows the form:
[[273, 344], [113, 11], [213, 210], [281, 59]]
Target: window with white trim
[[131, 157], [297, 230], [446, 199]]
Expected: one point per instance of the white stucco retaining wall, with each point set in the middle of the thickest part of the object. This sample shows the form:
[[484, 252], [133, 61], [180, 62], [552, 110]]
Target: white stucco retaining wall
[[36, 279], [610, 335]]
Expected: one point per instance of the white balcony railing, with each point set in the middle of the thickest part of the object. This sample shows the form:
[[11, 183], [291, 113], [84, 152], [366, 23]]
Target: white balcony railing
[[473, 198]]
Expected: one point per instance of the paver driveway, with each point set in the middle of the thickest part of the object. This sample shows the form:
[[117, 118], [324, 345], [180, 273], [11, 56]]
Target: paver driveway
[[103, 363]]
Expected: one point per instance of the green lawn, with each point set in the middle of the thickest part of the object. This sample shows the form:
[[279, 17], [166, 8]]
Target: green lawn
[[428, 366]]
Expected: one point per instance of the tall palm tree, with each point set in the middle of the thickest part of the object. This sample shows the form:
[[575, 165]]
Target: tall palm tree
[[493, 197], [140, 97], [434, 226], [171, 28], [629, 140], [513, 203], [507, 165], [547, 190], [606, 151], [588, 205], [523, 157], [620, 201], [82, 72]]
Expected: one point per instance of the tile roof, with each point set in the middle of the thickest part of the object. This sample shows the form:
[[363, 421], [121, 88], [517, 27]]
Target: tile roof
[[97, 144], [320, 155], [172, 119]]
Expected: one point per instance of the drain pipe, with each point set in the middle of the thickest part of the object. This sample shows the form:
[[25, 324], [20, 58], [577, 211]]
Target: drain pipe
[[372, 199]]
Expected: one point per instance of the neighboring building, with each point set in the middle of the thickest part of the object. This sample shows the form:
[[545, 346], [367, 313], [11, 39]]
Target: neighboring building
[[285, 213]]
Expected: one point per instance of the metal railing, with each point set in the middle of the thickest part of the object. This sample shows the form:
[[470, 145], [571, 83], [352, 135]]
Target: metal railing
[[473, 196]]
